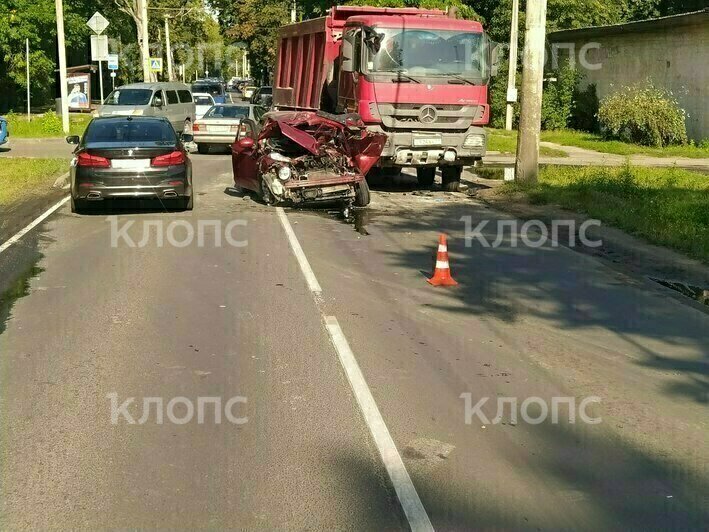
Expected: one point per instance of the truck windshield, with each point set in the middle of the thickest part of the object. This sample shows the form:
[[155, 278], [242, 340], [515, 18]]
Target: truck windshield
[[427, 53]]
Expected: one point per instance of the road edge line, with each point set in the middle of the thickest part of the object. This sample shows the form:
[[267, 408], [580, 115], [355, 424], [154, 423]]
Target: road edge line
[[404, 486], [22, 232], [409, 499], [310, 278]]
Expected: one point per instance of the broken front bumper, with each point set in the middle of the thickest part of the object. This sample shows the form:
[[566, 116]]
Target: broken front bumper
[[322, 188]]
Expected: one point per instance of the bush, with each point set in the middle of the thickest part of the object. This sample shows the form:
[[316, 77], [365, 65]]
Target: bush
[[51, 124], [558, 98], [643, 114]]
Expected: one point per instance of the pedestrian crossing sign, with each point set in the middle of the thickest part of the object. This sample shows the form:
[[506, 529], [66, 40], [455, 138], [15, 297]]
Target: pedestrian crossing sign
[[156, 64]]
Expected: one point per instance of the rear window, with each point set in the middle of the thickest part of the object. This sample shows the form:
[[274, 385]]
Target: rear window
[[185, 96], [215, 89], [227, 111], [129, 97], [122, 130], [172, 97]]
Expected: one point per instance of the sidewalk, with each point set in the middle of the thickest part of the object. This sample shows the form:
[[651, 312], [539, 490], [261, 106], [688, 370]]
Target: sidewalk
[[38, 148], [582, 157]]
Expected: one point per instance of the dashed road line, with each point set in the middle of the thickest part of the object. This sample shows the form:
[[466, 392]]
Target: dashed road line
[[405, 490]]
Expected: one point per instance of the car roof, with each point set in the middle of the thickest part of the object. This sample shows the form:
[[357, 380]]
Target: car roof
[[131, 118], [202, 94], [156, 85]]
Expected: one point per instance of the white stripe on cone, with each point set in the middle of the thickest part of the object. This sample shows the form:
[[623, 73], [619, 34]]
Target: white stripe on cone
[[442, 265], [442, 248]]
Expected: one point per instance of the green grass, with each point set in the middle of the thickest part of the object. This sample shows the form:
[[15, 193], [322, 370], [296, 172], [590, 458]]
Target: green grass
[[21, 178], [37, 128], [589, 141], [506, 142], [668, 207]]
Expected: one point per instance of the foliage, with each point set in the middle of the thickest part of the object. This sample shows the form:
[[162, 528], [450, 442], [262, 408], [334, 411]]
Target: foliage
[[51, 123], [46, 125], [584, 115], [558, 98], [643, 114], [666, 206], [27, 177]]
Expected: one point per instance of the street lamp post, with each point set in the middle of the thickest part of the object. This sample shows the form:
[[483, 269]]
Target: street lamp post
[[168, 50], [62, 65]]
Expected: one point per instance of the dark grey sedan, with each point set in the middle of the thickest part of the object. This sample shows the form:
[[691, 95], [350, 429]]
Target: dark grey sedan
[[136, 158]]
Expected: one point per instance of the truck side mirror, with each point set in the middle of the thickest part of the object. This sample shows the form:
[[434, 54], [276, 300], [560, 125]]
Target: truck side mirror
[[348, 63], [496, 52]]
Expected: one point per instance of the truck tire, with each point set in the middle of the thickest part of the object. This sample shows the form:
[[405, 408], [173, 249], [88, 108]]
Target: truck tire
[[425, 176], [362, 198], [203, 148], [451, 177]]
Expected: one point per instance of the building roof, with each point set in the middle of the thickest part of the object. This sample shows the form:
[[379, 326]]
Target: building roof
[[684, 19]]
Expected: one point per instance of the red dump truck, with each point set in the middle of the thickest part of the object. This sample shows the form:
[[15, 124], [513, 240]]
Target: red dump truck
[[418, 75]]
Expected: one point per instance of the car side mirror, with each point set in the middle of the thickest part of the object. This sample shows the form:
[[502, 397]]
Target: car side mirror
[[73, 139], [157, 102]]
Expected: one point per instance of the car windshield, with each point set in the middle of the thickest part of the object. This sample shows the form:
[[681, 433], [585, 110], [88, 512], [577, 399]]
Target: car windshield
[[227, 111], [215, 89], [129, 97], [130, 130], [203, 100], [429, 53]]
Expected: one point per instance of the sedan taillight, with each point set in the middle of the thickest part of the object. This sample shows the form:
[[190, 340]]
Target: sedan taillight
[[197, 126], [87, 160], [171, 159]]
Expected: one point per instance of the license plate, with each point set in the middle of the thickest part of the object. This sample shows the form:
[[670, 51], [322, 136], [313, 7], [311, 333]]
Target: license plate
[[130, 164], [427, 141], [219, 129]]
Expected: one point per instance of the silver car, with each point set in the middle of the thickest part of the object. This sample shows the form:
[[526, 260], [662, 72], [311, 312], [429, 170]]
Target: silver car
[[168, 100], [219, 125]]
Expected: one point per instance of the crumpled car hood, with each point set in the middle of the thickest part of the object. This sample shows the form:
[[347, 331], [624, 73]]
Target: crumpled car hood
[[317, 134]]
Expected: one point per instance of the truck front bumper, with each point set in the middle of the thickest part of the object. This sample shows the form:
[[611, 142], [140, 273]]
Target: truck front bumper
[[433, 148]]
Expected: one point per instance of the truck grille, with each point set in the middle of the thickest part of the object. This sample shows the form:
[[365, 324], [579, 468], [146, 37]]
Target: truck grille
[[429, 116]]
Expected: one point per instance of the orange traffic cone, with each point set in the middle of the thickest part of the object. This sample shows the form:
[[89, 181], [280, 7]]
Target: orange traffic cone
[[442, 275]]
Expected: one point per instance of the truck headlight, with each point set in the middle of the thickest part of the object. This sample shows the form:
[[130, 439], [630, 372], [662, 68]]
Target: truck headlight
[[474, 141], [284, 173]]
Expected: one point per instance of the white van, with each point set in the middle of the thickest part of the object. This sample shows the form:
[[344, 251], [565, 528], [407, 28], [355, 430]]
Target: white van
[[170, 100]]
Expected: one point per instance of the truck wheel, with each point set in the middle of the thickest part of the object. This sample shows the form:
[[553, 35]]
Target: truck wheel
[[362, 194], [451, 177], [425, 176], [203, 148]]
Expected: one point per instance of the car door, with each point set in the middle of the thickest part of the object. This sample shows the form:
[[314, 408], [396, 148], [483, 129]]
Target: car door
[[244, 157]]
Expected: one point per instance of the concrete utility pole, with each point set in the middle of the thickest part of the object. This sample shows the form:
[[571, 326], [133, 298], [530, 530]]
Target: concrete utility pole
[[527, 164], [168, 51], [62, 65], [512, 73], [27, 61], [145, 44]]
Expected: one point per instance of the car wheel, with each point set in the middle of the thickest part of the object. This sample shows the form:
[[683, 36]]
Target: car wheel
[[265, 193], [451, 177], [426, 176], [362, 197], [74, 208], [189, 203], [203, 148]]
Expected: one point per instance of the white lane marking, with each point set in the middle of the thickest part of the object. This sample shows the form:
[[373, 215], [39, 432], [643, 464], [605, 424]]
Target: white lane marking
[[299, 254], [405, 490], [33, 224], [404, 487]]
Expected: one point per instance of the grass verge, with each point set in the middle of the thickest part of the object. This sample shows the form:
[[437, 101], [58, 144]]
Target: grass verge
[[589, 141], [667, 207], [506, 142], [42, 127], [23, 178]]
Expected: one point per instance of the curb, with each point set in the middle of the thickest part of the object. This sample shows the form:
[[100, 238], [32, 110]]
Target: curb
[[62, 181]]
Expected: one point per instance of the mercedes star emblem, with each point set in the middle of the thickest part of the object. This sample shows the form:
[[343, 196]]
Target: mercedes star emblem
[[428, 114]]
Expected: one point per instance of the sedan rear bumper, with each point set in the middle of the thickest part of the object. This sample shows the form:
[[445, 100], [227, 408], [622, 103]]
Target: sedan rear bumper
[[214, 138], [97, 185]]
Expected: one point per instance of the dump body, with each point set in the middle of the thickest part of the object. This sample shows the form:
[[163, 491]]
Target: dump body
[[416, 75]]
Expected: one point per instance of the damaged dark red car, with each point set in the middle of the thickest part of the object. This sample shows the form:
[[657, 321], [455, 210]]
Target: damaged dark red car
[[302, 157]]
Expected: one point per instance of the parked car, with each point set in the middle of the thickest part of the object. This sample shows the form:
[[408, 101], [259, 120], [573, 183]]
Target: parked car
[[262, 96], [132, 157], [213, 87], [203, 102], [248, 91], [4, 132], [219, 125], [170, 100], [304, 157]]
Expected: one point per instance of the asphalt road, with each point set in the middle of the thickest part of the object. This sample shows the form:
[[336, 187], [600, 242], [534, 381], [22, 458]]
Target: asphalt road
[[82, 318]]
